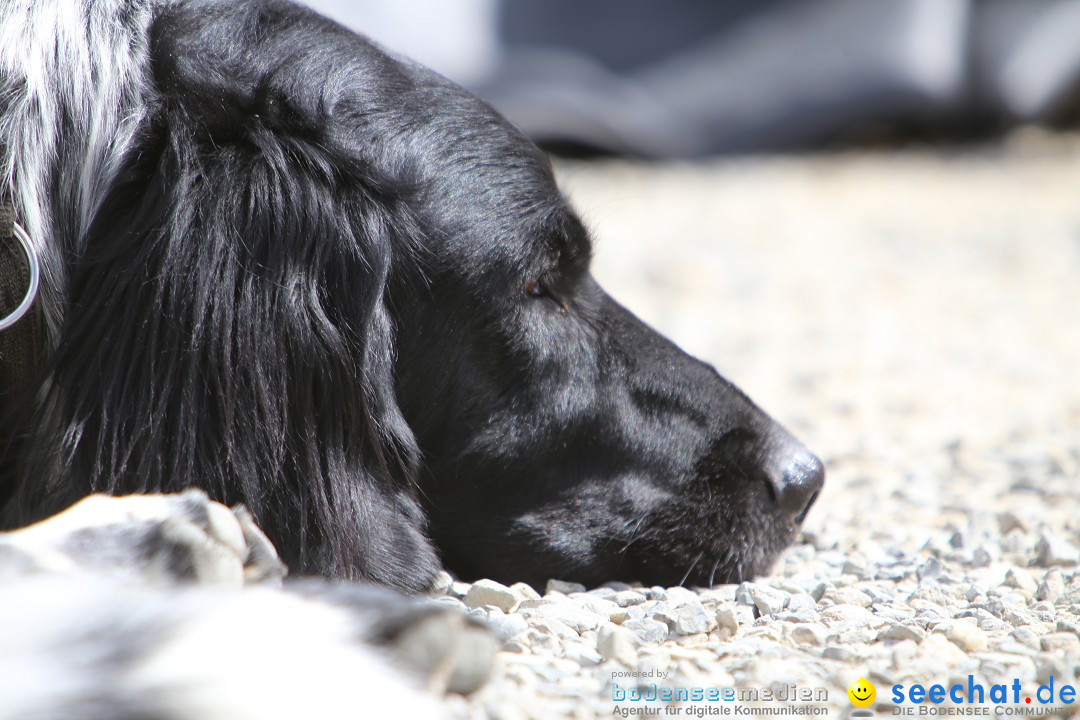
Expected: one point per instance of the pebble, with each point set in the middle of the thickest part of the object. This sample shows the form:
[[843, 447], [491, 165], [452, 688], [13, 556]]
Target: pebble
[[691, 619], [848, 613], [598, 606], [899, 631], [617, 644], [931, 569], [1028, 636], [505, 626], [809, 634], [844, 653], [677, 596], [569, 614], [801, 601], [648, 631], [553, 628], [1022, 580], [489, 592], [1055, 550], [720, 594], [850, 596], [525, 592], [727, 618], [566, 588], [626, 598], [1052, 586], [767, 600], [1061, 642], [1008, 521], [855, 564], [968, 636]]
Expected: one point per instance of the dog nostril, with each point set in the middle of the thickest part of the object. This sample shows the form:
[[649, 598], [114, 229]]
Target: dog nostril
[[801, 482]]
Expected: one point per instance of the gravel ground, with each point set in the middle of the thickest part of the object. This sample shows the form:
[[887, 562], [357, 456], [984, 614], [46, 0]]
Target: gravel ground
[[913, 317]]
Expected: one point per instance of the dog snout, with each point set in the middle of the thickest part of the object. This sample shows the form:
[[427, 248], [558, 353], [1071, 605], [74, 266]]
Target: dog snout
[[798, 482]]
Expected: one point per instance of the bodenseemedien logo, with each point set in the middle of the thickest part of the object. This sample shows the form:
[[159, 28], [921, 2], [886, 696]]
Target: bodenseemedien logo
[[642, 699]]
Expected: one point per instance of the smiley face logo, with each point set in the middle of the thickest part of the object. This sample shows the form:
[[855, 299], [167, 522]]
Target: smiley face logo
[[862, 693]]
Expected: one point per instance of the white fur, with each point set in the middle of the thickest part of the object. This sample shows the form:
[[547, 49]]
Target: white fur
[[79, 647], [74, 58]]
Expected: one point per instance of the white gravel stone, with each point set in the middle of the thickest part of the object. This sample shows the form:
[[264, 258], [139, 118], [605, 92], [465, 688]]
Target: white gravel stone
[[845, 653], [551, 627], [727, 617], [1061, 642], [967, 635], [561, 586], [617, 644], [809, 634], [848, 613], [626, 598], [849, 596], [855, 564], [801, 601], [931, 569], [985, 555], [648, 630], [1008, 521], [720, 594], [597, 606], [489, 592], [581, 652], [525, 592], [676, 596], [902, 631], [767, 600], [1021, 580], [569, 614], [691, 618], [1053, 549], [505, 626], [1052, 586]]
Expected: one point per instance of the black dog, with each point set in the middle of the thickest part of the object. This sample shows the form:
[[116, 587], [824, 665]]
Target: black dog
[[288, 268]]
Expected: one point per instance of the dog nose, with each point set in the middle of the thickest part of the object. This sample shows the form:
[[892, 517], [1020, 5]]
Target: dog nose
[[797, 486]]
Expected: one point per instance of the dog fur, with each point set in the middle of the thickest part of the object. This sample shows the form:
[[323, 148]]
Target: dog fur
[[302, 274]]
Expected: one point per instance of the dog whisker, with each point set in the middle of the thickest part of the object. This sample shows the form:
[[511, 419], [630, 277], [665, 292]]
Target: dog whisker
[[691, 568], [712, 573]]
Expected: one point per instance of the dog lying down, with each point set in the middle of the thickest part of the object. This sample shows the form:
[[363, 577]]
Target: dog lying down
[[131, 608], [325, 283]]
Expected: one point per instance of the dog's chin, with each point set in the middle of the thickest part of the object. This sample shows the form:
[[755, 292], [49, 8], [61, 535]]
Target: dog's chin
[[758, 561], [678, 536], [737, 536]]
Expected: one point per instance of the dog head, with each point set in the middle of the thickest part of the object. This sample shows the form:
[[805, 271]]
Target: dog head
[[334, 286], [561, 436]]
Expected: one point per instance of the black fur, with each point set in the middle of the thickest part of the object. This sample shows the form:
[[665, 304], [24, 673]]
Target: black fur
[[333, 286]]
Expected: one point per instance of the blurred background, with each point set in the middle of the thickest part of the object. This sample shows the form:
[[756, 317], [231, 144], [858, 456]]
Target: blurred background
[[687, 78], [865, 214]]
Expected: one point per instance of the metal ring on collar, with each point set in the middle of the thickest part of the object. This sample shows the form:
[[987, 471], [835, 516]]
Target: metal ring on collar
[[35, 278]]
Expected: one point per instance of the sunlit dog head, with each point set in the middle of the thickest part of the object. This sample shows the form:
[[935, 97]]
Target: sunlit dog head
[[301, 274]]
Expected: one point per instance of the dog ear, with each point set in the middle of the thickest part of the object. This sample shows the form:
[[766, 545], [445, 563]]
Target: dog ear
[[228, 329]]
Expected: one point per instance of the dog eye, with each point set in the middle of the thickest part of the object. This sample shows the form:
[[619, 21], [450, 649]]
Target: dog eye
[[541, 288], [535, 288]]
